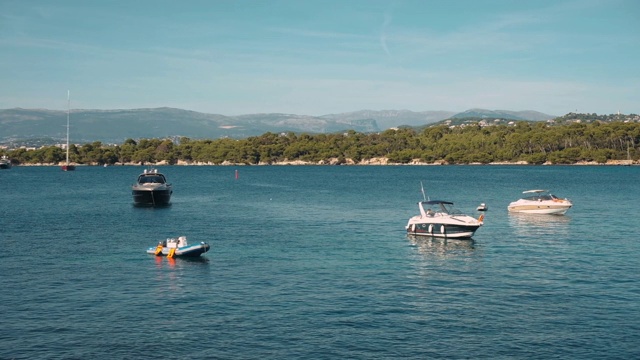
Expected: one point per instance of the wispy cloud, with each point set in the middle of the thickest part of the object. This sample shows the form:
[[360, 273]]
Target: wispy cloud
[[383, 33]]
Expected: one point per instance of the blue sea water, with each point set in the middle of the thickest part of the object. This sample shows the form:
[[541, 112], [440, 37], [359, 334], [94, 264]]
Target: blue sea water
[[314, 263]]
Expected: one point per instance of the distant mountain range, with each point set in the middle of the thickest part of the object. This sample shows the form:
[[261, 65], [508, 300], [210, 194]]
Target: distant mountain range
[[115, 126], [503, 114]]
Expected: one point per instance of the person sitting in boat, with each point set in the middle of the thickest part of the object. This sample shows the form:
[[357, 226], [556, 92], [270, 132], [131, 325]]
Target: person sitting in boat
[[430, 212]]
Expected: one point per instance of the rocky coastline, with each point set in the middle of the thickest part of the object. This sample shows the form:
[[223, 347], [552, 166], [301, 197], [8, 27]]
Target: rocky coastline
[[380, 161]]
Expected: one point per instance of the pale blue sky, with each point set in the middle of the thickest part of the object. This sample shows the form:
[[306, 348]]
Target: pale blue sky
[[317, 57]]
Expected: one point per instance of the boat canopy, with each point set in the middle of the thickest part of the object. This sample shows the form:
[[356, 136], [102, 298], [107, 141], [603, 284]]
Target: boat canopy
[[534, 191], [436, 202]]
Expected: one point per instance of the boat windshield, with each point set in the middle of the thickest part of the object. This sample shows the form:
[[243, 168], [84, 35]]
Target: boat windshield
[[151, 179], [542, 197], [446, 208]]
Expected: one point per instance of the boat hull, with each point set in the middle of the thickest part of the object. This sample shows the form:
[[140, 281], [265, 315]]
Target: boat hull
[[435, 229], [540, 208], [5, 166], [184, 251], [146, 197], [68, 167]]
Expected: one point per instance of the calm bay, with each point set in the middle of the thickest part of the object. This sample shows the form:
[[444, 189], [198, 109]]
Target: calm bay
[[313, 262]]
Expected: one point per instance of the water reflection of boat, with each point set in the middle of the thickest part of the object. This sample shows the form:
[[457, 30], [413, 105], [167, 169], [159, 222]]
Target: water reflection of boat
[[442, 247], [538, 224]]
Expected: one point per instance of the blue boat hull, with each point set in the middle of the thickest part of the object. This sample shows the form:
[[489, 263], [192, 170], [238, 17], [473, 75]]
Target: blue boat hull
[[185, 251]]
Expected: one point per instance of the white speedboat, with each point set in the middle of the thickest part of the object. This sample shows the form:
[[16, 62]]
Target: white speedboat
[[540, 202], [444, 221], [178, 247], [151, 189]]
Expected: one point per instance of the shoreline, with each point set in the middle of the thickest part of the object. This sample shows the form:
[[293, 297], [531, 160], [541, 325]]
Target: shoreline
[[350, 162]]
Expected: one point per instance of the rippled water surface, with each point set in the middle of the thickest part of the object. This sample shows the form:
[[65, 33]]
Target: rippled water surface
[[314, 263]]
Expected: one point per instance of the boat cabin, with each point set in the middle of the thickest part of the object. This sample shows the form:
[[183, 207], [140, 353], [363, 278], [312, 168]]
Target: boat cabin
[[435, 206], [151, 176], [151, 179], [174, 243], [541, 197]]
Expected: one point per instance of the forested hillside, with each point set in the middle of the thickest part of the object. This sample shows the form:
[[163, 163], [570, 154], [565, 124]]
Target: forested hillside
[[534, 143]]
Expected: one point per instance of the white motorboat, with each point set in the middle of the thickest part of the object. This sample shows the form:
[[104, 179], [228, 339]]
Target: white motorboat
[[178, 247], [444, 221], [541, 202]]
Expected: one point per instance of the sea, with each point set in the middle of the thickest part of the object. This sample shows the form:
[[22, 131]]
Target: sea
[[313, 262]]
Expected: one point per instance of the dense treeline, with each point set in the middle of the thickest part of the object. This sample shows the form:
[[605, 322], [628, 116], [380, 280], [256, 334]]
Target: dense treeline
[[535, 143]]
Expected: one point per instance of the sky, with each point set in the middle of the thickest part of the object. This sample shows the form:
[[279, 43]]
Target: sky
[[318, 57]]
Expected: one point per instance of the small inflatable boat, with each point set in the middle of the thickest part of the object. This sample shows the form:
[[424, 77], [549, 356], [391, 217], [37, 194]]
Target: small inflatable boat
[[178, 247]]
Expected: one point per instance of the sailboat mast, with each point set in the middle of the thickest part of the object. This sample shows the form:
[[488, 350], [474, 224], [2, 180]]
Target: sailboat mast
[[67, 166], [68, 110]]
